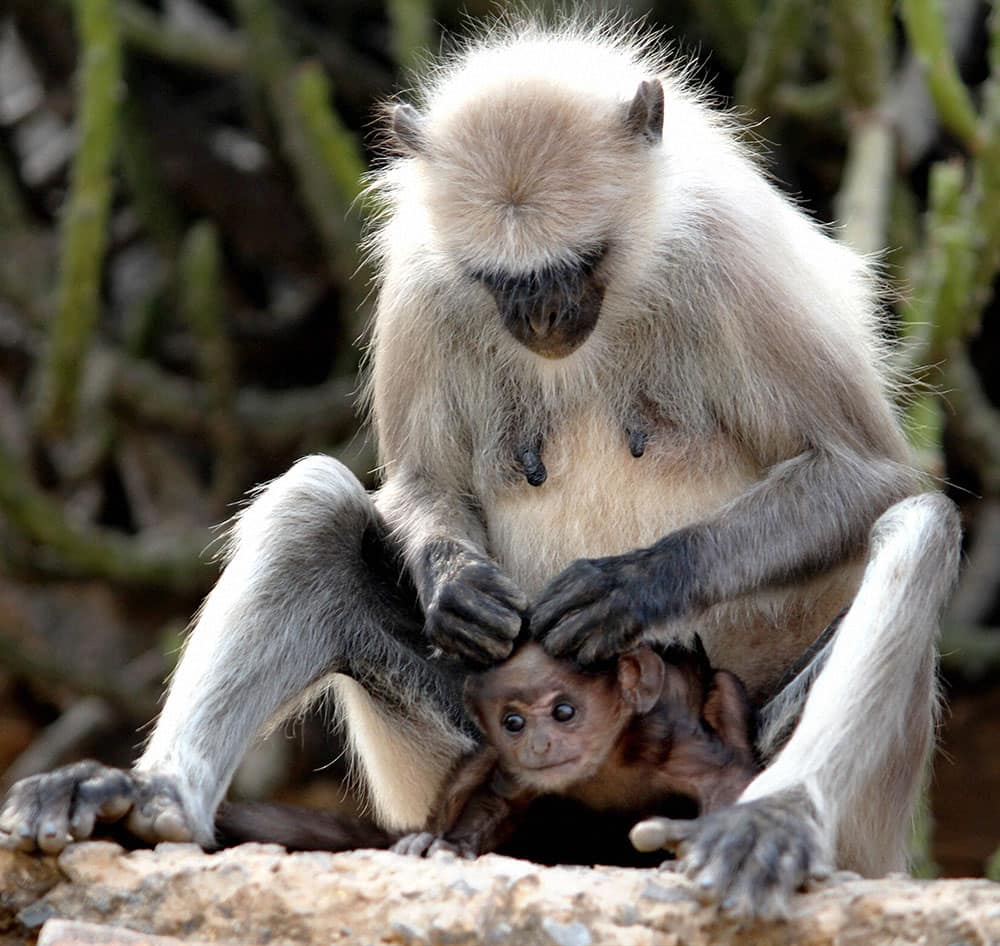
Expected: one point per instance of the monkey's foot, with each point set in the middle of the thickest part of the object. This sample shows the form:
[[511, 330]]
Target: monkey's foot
[[749, 858], [49, 811], [424, 844]]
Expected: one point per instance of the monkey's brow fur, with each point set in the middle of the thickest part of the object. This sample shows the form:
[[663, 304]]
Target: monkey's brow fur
[[721, 450]]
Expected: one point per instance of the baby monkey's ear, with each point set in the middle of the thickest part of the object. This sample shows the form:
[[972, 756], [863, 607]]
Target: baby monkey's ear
[[640, 678], [729, 712]]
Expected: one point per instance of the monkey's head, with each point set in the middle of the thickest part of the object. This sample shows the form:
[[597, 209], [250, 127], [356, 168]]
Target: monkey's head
[[526, 186], [554, 725]]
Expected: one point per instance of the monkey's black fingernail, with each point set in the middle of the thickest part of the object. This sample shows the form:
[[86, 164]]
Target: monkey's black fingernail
[[637, 440], [534, 470]]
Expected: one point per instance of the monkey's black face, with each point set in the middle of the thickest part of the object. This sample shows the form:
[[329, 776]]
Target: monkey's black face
[[551, 311]]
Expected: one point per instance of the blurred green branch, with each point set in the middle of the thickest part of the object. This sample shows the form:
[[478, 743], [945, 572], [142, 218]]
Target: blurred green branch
[[728, 24], [925, 29], [202, 306], [219, 51], [811, 102], [774, 51], [323, 155], [412, 22], [862, 32], [81, 549], [84, 224], [139, 162]]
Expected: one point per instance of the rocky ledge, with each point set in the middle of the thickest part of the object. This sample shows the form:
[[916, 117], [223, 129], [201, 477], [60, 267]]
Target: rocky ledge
[[258, 894]]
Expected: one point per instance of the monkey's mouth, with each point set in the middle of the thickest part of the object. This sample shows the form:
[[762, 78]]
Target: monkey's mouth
[[553, 766], [552, 328], [550, 311]]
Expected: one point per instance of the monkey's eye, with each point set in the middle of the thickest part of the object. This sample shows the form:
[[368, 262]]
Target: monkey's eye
[[513, 722], [563, 712]]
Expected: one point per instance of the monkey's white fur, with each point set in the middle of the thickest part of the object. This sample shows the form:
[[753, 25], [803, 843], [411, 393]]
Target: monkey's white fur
[[869, 721], [749, 337]]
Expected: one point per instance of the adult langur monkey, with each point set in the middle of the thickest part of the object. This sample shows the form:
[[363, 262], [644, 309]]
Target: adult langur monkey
[[623, 389]]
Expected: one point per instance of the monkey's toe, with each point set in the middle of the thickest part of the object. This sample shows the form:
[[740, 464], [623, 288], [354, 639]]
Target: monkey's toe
[[749, 858], [46, 812], [415, 845], [158, 814], [753, 857], [441, 846]]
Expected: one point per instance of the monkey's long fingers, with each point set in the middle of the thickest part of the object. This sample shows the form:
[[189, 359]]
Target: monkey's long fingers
[[414, 845], [469, 621], [581, 584], [612, 634], [440, 846], [469, 641], [46, 811], [656, 834], [498, 586], [480, 606], [769, 874], [105, 796], [581, 632]]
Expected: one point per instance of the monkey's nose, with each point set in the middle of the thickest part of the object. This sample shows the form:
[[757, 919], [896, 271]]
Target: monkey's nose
[[540, 744], [542, 319]]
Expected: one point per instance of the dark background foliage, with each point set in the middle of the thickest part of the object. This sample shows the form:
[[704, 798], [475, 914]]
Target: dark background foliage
[[181, 302]]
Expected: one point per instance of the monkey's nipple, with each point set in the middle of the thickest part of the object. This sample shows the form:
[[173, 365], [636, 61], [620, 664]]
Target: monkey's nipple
[[637, 440], [531, 462]]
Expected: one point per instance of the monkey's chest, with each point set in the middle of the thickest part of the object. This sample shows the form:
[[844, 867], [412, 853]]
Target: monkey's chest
[[598, 499]]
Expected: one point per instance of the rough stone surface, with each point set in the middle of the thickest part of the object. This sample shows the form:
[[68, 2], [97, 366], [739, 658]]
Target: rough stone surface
[[258, 894], [71, 933]]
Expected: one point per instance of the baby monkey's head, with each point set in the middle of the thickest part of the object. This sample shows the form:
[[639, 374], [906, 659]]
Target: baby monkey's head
[[553, 723]]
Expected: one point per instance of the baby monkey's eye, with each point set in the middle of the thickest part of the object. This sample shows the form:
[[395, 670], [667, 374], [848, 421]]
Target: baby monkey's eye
[[563, 712], [513, 722]]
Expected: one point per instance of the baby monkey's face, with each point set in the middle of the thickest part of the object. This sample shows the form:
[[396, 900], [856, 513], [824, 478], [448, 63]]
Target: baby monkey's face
[[551, 725]]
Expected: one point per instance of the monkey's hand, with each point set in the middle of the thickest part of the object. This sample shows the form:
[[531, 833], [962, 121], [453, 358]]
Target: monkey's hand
[[750, 857], [597, 608], [424, 844], [474, 611], [49, 811]]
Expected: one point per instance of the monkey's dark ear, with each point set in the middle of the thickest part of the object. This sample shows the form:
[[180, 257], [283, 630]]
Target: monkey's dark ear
[[640, 676], [645, 112], [729, 712], [407, 126]]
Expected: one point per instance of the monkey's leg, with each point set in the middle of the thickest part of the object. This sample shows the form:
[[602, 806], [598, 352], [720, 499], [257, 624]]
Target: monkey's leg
[[298, 600], [842, 789]]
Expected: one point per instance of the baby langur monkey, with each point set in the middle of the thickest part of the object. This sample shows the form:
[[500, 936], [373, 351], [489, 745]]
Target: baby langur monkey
[[626, 737]]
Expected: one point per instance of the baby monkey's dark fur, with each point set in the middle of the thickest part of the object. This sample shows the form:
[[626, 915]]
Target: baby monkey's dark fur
[[630, 738]]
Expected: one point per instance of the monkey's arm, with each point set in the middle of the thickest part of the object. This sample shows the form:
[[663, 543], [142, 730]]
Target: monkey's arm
[[471, 609], [426, 447], [806, 515], [475, 813]]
